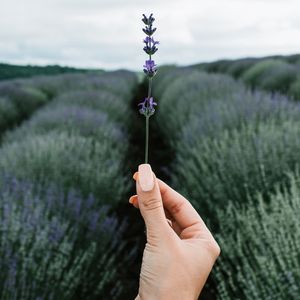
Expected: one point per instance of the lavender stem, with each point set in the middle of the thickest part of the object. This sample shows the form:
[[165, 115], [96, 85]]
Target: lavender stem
[[147, 139]]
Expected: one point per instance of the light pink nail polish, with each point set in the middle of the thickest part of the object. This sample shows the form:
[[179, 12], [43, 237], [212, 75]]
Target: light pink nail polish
[[146, 179]]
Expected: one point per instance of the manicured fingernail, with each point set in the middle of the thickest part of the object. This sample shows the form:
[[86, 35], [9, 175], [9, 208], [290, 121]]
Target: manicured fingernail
[[146, 179], [135, 175], [131, 199]]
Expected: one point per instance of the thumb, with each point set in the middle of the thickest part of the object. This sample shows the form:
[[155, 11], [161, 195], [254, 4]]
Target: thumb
[[150, 203]]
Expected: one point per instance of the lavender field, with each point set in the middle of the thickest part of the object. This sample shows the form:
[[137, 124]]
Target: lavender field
[[226, 135]]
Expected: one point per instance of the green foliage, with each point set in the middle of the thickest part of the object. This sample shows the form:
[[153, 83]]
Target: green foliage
[[219, 66], [118, 82], [8, 114], [230, 144], [186, 97], [271, 74], [295, 89], [77, 142], [74, 120], [215, 172], [279, 78], [26, 99], [8, 71], [234, 111], [68, 161], [254, 74], [167, 75], [274, 73], [227, 139], [260, 247], [116, 106], [237, 68]]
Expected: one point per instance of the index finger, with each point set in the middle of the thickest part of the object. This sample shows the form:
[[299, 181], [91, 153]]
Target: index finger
[[181, 209]]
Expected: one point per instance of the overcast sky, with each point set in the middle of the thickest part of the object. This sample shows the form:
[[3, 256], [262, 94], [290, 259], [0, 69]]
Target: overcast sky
[[107, 33]]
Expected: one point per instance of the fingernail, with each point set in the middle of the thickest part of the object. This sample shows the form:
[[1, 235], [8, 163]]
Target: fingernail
[[135, 175], [146, 179], [131, 199]]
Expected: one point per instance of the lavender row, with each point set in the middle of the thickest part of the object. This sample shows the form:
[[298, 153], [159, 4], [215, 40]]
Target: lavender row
[[20, 98], [78, 140], [275, 74], [66, 160], [206, 116], [260, 246], [231, 143]]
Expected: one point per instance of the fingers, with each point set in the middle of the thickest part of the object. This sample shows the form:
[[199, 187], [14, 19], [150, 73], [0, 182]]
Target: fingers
[[183, 212], [179, 209], [150, 203], [134, 201]]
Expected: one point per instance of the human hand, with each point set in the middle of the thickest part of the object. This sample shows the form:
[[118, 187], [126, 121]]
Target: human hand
[[180, 250]]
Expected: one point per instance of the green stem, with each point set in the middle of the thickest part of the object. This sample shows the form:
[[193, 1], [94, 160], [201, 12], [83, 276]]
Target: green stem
[[149, 87], [147, 140], [147, 122]]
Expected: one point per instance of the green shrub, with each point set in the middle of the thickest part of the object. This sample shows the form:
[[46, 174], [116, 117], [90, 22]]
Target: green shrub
[[187, 95], [73, 120], [292, 59], [234, 112], [55, 245], [238, 67], [295, 89], [116, 106], [8, 71], [68, 161], [271, 74], [25, 99], [279, 79], [119, 83], [8, 114], [219, 66], [260, 247], [215, 172], [166, 76]]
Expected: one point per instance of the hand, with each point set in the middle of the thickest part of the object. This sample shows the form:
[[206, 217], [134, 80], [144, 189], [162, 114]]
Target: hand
[[180, 251]]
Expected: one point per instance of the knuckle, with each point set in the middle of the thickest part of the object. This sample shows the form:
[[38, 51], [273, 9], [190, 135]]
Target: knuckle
[[176, 208], [152, 203]]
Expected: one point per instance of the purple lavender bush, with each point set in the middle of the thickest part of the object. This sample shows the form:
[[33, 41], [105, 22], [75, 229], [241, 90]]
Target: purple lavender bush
[[98, 100], [74, 120], [68, 161], [118, 82], [147, 106], [56, 244]]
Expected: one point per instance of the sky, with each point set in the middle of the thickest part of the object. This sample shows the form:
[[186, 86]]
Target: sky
[[107, 33]]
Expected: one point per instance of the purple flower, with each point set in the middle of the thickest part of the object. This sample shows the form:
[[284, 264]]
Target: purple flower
[[150, 68], [147, 108], [149, 41], [150, 47]]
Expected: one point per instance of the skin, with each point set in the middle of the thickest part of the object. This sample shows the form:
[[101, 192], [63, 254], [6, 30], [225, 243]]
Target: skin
[[180, 250]]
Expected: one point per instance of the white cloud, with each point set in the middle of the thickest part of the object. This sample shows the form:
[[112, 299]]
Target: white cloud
[[107, 33]]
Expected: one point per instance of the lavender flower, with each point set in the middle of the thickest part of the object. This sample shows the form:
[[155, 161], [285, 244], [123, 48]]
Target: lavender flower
[[147, 106], [150, 69], [150, 47]]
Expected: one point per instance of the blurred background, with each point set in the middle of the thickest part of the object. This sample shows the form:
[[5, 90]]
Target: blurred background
[[107, 33], [226, 135]]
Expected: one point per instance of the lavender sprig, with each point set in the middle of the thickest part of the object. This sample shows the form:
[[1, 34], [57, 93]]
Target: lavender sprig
[[147, 106]]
